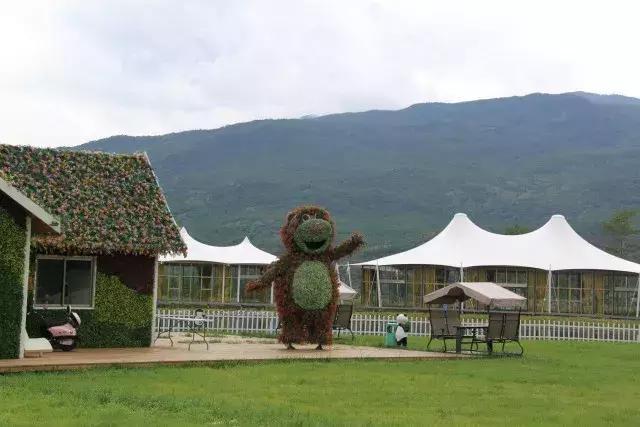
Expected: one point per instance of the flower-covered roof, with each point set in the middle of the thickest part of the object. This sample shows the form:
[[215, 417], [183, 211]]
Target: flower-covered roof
[[107, 203]]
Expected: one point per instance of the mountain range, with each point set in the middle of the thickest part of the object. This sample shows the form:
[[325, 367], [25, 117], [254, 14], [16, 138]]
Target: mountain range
[[399, 176]]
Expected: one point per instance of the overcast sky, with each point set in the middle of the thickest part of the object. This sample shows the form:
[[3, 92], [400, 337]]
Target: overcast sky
[[74, 71]]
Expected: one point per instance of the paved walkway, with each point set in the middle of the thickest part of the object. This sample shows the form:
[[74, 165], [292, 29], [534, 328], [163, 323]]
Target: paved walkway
[[163, 354]]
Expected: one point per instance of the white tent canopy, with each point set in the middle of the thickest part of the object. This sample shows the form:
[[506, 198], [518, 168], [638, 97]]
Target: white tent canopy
[[347, 293], [242, 253], [486, 293], [554, 246]]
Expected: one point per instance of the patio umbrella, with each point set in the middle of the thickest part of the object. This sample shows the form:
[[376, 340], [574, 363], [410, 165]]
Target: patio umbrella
[[487, 293]]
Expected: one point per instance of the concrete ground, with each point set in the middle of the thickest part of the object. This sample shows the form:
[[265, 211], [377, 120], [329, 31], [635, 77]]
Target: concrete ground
[[221, 349]]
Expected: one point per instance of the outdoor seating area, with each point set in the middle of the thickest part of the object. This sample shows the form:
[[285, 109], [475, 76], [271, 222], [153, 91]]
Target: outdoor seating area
[[502, 326]]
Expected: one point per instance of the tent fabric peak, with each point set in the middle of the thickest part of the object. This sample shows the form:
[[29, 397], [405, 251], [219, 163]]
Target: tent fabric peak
[[243, 253], [554, 246]]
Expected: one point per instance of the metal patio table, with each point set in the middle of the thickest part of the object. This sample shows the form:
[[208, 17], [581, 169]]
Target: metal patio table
[[197, 327], [460, 336]]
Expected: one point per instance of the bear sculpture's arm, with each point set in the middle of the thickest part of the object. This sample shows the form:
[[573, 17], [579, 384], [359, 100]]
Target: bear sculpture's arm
[[349, 246], [272, 272]]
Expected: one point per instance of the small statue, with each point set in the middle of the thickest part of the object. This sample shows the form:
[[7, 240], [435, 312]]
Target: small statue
[[402, 329]]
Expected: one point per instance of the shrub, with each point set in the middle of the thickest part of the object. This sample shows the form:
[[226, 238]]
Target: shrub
[[11, 268]]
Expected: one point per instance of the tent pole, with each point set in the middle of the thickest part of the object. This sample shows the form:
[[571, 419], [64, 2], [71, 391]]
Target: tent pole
[[271, 297], [462, 281], [549, 277], [638, 298], [349, 274], [224, 269], [238, 287], [378, 283]]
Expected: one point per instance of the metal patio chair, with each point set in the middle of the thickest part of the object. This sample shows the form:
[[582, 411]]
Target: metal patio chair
[[342, 321], [503, 328], [444, 325]]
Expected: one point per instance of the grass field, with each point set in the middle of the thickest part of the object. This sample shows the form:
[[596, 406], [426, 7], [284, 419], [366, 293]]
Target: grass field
[[555, 383]]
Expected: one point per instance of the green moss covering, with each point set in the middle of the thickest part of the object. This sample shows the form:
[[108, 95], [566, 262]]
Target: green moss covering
[[312, 289], [12, 243], [121, 317], [117, 303]]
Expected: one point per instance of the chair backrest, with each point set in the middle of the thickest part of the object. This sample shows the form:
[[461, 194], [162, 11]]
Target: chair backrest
[[453, 321], [199, 317], [511, 326], [438, 322], [495, 326], [343, 316], [504, 325]]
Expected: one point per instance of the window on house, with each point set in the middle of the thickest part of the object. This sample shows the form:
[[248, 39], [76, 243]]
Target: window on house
[[64, 281]]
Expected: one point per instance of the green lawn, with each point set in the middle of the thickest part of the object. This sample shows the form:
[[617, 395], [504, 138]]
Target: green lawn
[[555, 383]]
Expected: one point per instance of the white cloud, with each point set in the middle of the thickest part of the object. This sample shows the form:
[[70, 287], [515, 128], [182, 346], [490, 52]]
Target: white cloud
[[72, 71]]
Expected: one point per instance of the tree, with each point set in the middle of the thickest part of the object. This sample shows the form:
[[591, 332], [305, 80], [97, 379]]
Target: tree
[[621, 230], [516, 229]]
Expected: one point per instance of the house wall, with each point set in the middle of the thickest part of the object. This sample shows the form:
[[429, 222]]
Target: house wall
[[135, 271], [122, 313], [12, 258]]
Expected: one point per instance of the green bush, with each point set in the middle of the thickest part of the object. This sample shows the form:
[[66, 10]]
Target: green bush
[[312, 288], [118, 304], [121, 317], [11, 266]]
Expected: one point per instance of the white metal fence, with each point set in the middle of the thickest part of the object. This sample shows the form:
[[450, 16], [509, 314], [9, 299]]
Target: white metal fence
[[265, 322]]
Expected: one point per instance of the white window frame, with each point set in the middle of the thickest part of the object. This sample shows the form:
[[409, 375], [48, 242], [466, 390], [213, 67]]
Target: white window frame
[[93, 261]]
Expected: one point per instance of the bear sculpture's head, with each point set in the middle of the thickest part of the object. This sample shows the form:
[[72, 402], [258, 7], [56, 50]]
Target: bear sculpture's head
[[308, 229]]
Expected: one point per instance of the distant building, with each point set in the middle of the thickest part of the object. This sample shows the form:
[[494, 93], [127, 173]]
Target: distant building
[[215, 275], [556, 269], [210, 275]]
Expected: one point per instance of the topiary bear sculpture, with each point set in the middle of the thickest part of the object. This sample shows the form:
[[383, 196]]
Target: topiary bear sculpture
[[305, 279]]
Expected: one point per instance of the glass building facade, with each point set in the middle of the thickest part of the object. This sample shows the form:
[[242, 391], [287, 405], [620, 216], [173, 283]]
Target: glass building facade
[[577, 292], [209, 283]]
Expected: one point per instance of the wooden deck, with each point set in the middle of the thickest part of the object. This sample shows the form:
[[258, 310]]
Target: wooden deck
[[218, 353]]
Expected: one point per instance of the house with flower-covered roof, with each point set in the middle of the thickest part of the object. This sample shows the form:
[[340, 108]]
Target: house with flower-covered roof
[[99, 256]]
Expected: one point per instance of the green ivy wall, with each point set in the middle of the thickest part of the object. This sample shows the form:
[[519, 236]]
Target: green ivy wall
[[12, 243]]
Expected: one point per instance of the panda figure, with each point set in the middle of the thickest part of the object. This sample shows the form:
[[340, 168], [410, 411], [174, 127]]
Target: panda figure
[[402, 330]]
